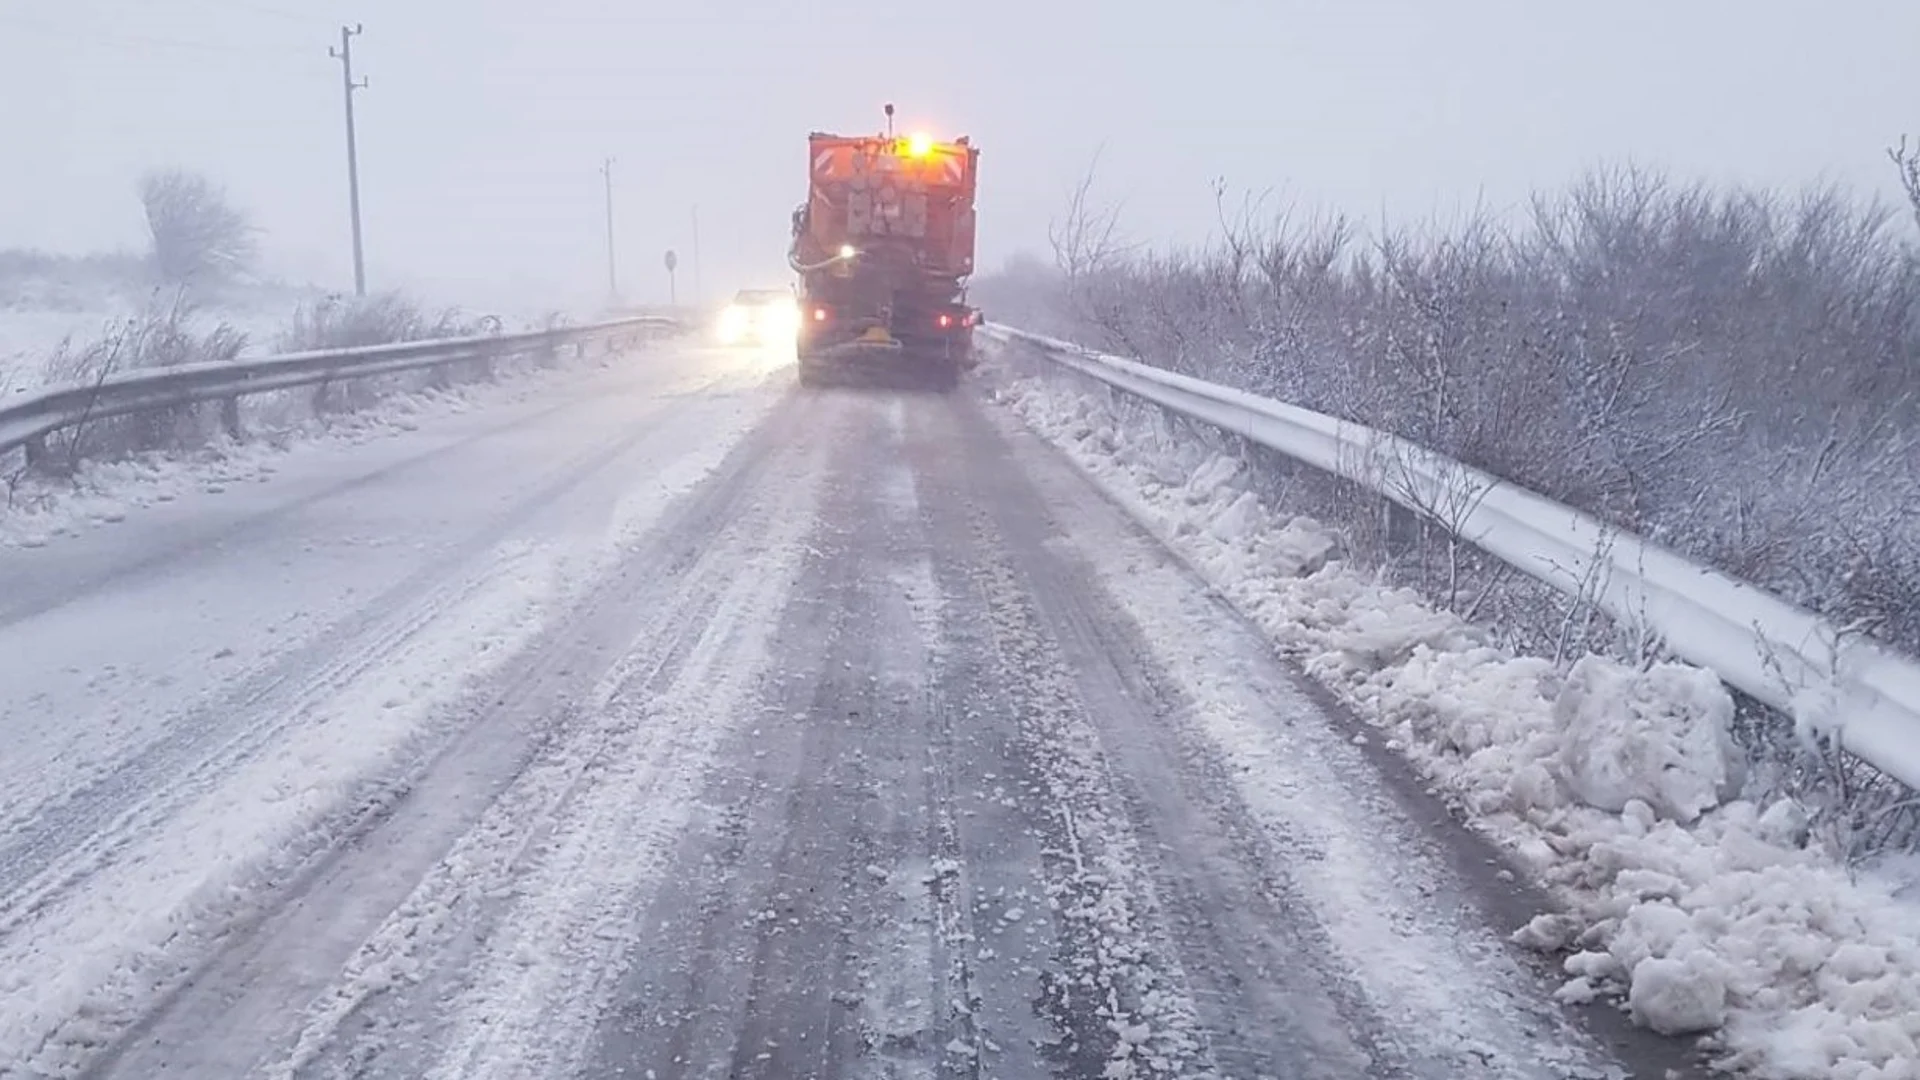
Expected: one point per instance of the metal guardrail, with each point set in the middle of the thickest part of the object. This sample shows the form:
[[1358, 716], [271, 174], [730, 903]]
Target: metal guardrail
[[27, 421], [1841, 685]]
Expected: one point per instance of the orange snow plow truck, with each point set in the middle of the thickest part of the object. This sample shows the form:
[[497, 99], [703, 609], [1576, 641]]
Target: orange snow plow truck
[[883, 247]]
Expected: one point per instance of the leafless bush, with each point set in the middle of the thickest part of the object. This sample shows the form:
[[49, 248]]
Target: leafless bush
[[160, 336], [346, 323], [1731, 373], [199, 237], [340, 322]]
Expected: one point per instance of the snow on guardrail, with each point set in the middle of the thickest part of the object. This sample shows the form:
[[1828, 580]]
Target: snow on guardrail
[[1838, 684], [24, 421]]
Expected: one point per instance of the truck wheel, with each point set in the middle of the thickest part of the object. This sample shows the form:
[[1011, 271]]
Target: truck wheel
[[811, 376]]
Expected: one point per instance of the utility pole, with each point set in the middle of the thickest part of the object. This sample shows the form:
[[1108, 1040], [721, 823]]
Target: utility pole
[[344, 54], [613, 281], [698, 291]]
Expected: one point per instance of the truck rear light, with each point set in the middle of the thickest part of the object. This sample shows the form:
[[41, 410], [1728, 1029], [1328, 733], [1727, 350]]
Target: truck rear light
[[946, 321], [819, 314]]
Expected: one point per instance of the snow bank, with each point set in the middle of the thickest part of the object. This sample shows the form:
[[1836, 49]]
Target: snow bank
[[1699, 912]]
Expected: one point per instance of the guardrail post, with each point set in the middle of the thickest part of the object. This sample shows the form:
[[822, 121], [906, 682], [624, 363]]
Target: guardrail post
[[230, 418], [37, 453]]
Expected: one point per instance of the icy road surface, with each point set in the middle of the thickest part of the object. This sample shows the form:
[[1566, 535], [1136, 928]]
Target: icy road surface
[[674, 722]]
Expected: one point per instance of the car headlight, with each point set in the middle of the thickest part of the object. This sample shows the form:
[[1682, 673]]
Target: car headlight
[[733, 324]]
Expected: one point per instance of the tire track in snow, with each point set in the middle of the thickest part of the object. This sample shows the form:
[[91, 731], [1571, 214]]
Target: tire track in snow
[[1284, 858], [1115, 989], [845, 686], [1074, 973], [984, 826], [55, 846], [1264, 999], [32, 600], [182, 976], [915, 867], [108, 676], [539, 985], [796, 936]]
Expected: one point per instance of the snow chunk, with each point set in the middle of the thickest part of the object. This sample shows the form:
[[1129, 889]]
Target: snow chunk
[[1576, 992], [1210, 480], [1678, 997], [1661, 736], [1552, 932], [1785, 823], [1240, 520]]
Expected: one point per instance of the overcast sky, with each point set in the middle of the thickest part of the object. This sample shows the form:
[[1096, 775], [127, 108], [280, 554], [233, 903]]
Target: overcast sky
[[482, 133]]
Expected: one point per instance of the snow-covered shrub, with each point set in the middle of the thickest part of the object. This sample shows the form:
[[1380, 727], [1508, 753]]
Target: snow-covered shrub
[[344, 322], [339, 322], [166, 333]]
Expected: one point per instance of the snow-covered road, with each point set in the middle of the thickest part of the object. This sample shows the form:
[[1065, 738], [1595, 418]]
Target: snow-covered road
[[672, 722]]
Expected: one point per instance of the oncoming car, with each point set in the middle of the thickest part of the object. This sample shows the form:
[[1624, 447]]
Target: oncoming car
[[760, 317]]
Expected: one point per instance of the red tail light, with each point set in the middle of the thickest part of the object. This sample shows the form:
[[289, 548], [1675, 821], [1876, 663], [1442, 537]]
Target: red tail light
[[945, 321], [819, 314]]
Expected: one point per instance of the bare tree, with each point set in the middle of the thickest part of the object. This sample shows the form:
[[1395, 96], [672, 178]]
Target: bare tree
[[198, 235]]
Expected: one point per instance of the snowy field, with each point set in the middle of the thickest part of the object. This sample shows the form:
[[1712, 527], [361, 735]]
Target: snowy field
[[38, 315], [1700, 913], [32, 327]]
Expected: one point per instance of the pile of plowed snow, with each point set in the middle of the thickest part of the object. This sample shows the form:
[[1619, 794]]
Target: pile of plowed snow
[[1700, 912]]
